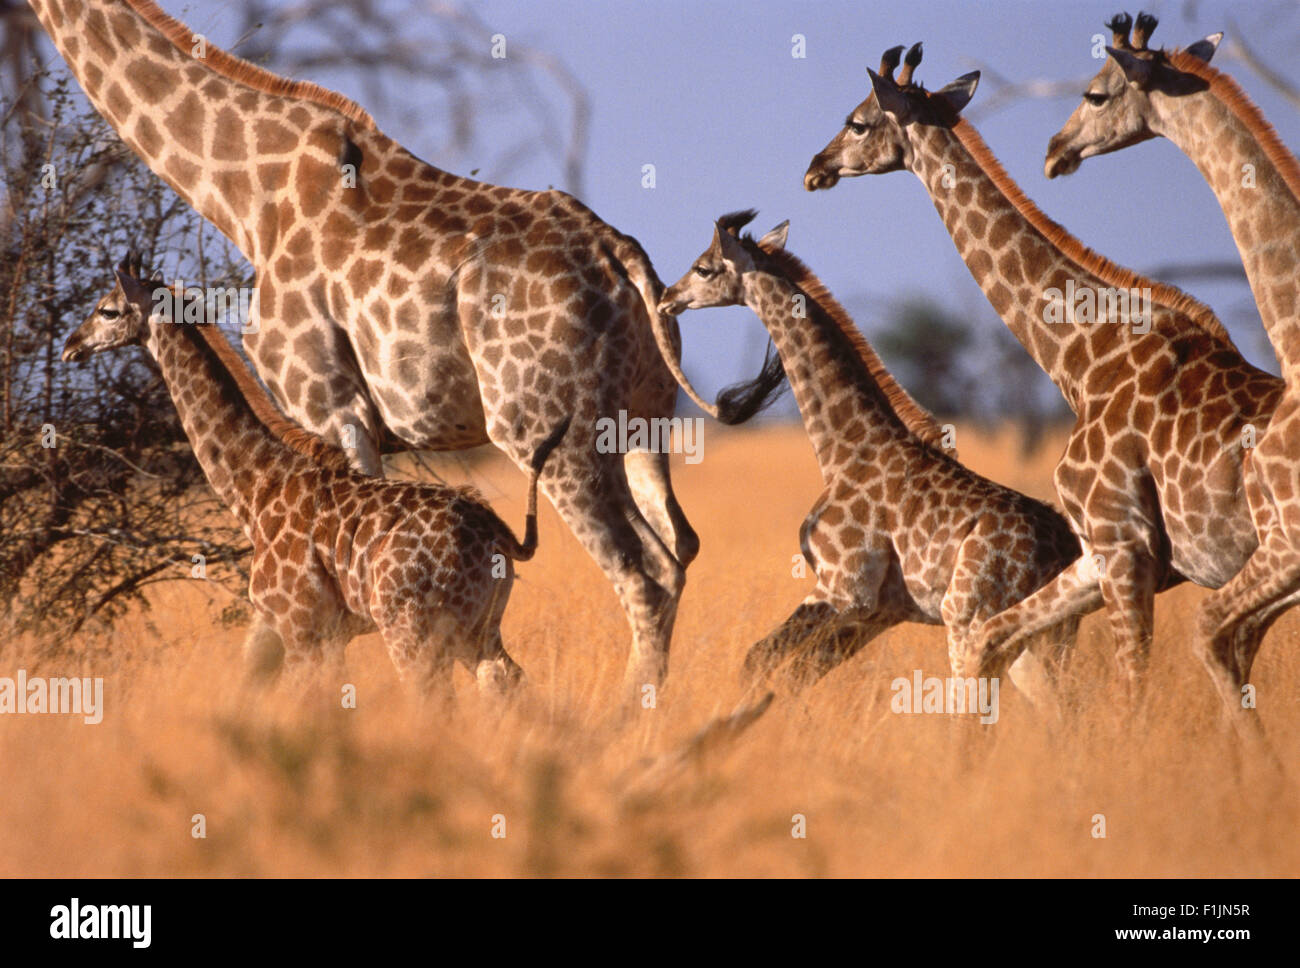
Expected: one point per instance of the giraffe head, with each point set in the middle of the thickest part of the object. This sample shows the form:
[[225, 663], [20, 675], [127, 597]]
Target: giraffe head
[[120, 318], [1120, 106], [717, 277], [874, 138]]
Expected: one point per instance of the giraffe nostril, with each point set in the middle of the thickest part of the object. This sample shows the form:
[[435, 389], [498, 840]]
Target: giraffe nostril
[[817, 178]]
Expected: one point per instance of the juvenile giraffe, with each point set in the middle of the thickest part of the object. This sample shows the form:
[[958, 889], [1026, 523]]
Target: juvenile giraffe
[[902, 532], [1140, 94], [1152, 474], [398, 300], [336, 553]]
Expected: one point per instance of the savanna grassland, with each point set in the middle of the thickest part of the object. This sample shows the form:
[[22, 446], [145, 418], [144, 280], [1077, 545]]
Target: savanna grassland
[[294, 785]]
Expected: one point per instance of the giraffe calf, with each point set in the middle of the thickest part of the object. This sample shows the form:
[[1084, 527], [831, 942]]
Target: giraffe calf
[[336, 553], [902, 532]]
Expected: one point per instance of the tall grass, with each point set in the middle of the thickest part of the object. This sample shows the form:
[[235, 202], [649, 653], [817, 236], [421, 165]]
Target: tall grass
[[293, 785]]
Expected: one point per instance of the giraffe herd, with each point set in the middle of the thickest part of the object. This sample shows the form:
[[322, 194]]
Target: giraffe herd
[[404, 307]]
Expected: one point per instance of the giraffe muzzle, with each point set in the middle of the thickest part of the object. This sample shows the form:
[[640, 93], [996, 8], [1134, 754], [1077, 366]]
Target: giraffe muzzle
[[1061, 160], [74, 350], [820, 177], [671, 306]]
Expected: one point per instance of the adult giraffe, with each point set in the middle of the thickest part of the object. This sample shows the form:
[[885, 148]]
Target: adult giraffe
[[395, 298], [1140, 94], [1151, 478]]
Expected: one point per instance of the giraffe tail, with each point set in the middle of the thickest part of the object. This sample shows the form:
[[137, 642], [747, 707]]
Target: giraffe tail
[[737, 403], [523, 550]]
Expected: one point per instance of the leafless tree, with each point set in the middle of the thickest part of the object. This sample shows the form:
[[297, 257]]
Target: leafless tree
[[100, 495]]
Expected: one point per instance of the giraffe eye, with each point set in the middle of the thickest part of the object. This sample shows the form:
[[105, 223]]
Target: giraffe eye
[[1094, 98], [857, 127], [703, 271], [110, 313]]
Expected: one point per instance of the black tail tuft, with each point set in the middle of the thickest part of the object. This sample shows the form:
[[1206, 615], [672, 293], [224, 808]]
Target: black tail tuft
[[741, 401]]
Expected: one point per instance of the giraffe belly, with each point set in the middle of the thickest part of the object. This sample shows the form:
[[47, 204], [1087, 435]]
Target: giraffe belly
[[428, 397]]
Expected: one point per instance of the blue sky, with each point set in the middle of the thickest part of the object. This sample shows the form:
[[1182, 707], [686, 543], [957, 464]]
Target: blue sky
[[709, 93]]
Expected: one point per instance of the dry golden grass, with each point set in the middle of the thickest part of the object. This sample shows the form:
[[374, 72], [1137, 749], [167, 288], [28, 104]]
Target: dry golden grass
[[304, 787]]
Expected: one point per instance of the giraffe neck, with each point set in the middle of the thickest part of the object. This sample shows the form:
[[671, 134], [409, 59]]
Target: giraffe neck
[[242, 458], [229, 137], [1016, 256], [841, 404], [1259, 192]]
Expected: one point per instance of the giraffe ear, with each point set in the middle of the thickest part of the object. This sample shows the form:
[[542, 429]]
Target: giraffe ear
[[731, 248], [135, 290], [1204, 49], [891, 100], [775, 239], [1136, 69], [960, 91]]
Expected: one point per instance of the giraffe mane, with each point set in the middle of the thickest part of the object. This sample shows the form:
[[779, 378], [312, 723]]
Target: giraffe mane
[[293, 436], [914, 416], [244, 72], [1170, 297], [1235, 99]]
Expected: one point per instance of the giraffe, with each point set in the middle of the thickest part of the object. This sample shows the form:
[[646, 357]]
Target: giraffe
[[398, 300], [1152, 473], [336, 553], [902, 531], [1142, 93]]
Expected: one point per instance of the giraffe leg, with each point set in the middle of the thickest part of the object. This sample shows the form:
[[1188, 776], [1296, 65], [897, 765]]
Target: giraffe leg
[[1253, 637], [1038, 671], [591, 493], [1232, 621], [496, 673], [812, 614], [305, 673], [1128, 587], [263, 652], [421, 643], [838, 641], [652, 489], [999, 642]]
